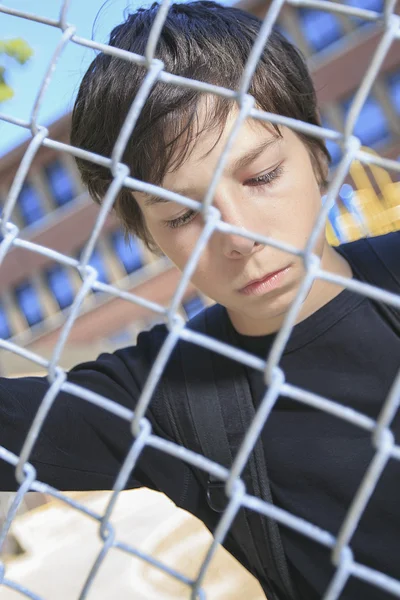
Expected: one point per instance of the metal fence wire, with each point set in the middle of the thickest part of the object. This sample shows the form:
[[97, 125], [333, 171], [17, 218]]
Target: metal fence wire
[[382, 438]]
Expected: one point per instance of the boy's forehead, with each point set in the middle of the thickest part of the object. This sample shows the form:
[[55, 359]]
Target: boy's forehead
[[251, 140]]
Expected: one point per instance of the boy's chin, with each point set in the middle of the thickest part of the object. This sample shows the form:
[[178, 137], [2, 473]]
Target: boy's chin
[[261, 308]]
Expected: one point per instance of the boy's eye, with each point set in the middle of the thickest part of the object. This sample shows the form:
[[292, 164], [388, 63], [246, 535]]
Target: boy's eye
[[267, 178], [182, 220], [262, 180]]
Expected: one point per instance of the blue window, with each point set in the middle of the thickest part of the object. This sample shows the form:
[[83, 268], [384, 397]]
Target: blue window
[[61, 183], [30, 204], [372, 126], [335, 151], [128, 252], [193, 306], [5, 329], [97, 262], [320, 28], [60, 285], [394, 90], [376, 5], [333, 148], [28, 301]]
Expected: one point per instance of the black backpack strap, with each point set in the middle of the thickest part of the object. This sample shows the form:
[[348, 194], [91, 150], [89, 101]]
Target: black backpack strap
[[377, 261], [215, 422]]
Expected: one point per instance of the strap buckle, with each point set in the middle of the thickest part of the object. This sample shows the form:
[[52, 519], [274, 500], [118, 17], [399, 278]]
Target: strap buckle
[[216, 497]]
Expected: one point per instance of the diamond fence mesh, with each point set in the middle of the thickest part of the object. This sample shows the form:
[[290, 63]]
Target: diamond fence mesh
[[382, 438]]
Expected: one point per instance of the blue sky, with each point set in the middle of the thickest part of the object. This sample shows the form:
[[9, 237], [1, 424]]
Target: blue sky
[[43, 40]]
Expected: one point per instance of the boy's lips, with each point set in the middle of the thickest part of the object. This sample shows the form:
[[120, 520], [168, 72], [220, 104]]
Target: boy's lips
[[265, 283]]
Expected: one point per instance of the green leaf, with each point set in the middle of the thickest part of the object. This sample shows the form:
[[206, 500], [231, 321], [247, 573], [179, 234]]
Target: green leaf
[[6, 92], [19, 49]]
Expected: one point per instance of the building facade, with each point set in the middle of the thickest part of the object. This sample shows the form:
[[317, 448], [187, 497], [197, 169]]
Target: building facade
[[55, 211]]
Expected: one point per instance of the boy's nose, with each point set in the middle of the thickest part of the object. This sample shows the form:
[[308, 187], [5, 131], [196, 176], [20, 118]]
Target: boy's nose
[[233, 213], [237, 246]]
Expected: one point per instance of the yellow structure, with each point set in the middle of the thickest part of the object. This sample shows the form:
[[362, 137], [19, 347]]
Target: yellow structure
[[375, 205]]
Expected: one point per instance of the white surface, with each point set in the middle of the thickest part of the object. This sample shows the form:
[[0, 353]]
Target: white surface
[[62, 544]]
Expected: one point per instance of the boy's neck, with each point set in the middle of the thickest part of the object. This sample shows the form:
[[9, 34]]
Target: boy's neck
[[323, 291]]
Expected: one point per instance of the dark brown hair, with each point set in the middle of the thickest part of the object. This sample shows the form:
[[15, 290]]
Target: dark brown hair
[[200, 40]]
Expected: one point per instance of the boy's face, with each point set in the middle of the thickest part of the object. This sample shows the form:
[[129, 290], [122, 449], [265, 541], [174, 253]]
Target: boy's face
[[273, 193]]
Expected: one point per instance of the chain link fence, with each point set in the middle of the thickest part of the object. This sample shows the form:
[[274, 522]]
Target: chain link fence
[[381, 436]]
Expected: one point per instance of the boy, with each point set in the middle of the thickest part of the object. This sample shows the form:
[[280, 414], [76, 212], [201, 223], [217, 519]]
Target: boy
[[343, 346]]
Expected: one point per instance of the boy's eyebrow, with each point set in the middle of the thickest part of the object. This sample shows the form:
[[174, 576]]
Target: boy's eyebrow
[[252, 155], [238, 164]]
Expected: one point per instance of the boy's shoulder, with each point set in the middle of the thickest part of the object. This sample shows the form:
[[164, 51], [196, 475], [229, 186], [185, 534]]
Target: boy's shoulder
[[376, 259], [387, 240], [150, 342]]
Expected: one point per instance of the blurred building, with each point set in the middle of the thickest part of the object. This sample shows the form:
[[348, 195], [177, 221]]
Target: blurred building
[[54, 210], [339, 49]]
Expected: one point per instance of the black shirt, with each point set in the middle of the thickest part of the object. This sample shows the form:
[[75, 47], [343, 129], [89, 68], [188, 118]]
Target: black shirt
[[345, 352]]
